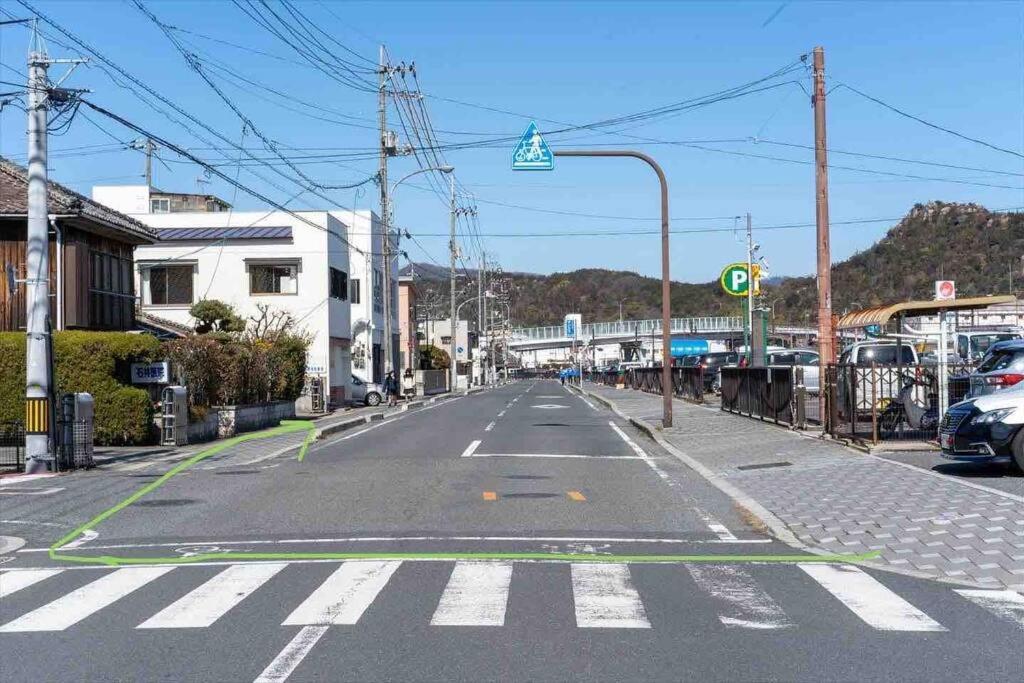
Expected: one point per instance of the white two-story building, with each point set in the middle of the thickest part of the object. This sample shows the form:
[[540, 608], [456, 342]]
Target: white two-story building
[[297, 263]]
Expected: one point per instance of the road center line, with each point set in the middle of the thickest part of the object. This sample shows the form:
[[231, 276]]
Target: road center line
[[489, 427]]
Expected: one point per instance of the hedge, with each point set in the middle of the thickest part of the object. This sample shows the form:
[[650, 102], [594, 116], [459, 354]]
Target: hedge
[[94, 362]]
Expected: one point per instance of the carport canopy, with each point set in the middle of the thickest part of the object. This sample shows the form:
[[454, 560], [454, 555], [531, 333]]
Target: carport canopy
[[879, 315]]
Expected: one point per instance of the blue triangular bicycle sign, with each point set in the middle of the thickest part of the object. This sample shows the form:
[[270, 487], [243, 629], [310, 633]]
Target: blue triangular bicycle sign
[[532, 153]]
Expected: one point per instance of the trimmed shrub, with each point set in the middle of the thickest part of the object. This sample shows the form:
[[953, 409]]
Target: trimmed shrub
[[95, 362]]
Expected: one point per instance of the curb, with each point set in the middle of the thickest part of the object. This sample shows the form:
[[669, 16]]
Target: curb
[[774, 524]]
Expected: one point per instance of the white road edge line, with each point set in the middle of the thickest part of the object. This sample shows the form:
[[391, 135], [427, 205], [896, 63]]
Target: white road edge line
[[1006, 604], [470, 449], [489, 427]]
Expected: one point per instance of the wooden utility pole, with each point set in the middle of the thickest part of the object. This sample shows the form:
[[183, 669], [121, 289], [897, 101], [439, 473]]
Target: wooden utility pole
[[826, 334]]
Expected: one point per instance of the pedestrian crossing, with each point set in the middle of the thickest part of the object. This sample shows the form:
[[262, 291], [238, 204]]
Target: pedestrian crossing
[[604, 595]]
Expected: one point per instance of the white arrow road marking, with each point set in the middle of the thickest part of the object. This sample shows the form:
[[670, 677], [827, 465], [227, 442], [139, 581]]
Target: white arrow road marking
[[476, 595], [878, 606]]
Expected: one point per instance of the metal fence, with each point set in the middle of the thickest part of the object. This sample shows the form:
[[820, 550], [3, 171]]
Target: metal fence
[[874, 403], [74, 447], [687, 383], [768, 393]]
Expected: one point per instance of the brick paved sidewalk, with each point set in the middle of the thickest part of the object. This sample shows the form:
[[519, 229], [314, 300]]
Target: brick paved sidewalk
[[839, 500]]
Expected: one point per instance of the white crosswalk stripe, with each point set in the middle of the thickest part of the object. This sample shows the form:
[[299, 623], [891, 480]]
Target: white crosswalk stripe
[[875, 604], [89, 599], [605, 597], [744, 603], [12, 582], [1005, 604], [212, 600], [345, 595], [476, 595]]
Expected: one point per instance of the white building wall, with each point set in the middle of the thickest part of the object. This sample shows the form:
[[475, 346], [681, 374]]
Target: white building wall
[[129, 199], [220, 271]]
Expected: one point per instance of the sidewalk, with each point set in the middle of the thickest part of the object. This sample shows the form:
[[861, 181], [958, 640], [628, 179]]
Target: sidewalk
[[833, 499]]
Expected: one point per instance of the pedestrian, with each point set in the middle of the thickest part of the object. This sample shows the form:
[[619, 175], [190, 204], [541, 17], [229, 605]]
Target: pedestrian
[[391, 389], [561, 375]]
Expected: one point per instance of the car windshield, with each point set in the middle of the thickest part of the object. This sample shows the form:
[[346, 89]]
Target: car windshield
[[1003, 359], [883, 354], [981, 343], [720, 358], [691, 361]]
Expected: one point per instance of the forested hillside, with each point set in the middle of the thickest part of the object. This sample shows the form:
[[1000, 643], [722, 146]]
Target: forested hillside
[[979, 249]]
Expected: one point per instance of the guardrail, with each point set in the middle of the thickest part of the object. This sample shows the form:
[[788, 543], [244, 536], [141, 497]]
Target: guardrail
[[627, 328], [687, 383]]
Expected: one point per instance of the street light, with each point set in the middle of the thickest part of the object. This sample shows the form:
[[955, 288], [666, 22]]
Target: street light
[[387, 261]]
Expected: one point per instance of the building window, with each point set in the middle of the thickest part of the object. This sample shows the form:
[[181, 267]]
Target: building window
[[339, 284], [169, 285], [273, 279], [159, 205], [354, 291]]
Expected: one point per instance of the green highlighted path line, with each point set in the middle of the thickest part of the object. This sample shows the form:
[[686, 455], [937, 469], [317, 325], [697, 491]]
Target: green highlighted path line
[[291, 426]]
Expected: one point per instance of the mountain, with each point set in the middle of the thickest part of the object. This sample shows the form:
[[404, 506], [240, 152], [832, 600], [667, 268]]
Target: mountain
[[978, 248]]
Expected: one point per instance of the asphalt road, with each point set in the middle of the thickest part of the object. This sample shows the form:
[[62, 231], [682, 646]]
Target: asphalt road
[[517, 534]]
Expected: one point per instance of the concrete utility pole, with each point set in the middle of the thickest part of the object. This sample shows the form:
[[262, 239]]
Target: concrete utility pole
[[480, 312], [384, 74], [38, 384], [666, 290], [150, 148], [826, 350], [454, 328]]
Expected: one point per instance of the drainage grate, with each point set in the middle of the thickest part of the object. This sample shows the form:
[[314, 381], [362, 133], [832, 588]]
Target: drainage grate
[[764, 466]]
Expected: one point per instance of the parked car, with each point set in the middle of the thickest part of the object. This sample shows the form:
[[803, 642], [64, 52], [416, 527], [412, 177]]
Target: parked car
[[880, 387], [712, 363], [804, 358], [975, 344], [367, 393], [988, 428], [1001, 368]]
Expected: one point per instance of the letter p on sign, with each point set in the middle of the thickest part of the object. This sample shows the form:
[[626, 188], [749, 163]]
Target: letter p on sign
[[735, 279]]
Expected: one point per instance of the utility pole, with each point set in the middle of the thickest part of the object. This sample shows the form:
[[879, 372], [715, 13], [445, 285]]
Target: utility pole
[[384, 74], [454, 328], [480, 311], [150, 148], [750, 293], [39, 444], [826, 350]]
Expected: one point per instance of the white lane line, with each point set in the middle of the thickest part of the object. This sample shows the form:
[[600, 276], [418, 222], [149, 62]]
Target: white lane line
[[501, 414], [292, 655], [70, 609], [554, 455], [22, 478], [1005, 604], [470, 449], [212, 600], [489, 427], [878, 606], [641, 453], [605, 597], [12, 582], [584, 399], [397, 539], [344, 596], [30, 492], [745, 604], [476, 595]]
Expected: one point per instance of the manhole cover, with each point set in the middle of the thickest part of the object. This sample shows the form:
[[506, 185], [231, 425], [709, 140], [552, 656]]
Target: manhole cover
[[529, 495], [166, 502]]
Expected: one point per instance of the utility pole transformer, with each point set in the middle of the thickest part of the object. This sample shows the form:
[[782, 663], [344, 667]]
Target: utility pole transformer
[[826, 335], [38, 383]]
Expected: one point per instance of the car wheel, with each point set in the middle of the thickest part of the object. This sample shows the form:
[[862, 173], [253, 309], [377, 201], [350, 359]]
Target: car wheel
[[1017, 450], [373, 399]]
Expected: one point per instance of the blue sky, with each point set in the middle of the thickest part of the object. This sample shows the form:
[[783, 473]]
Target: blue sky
[[960, 65]]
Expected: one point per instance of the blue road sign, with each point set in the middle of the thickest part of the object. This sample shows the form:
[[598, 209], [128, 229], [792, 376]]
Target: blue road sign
[[532, 153], [570, 328]]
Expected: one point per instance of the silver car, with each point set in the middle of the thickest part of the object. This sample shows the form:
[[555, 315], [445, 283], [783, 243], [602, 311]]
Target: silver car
[[1001, 368], [368, 393]]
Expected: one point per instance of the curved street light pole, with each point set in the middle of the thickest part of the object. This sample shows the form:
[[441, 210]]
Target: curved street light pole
[[386, 247], [666, 294]]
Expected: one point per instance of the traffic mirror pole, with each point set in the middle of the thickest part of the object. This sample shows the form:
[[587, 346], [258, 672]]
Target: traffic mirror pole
[[666, 294]]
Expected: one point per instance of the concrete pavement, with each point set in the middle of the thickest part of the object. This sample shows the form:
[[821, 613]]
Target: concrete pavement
[[520, 533]]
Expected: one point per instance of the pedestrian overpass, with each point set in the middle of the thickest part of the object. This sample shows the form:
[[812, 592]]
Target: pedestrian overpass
[[721, 328]]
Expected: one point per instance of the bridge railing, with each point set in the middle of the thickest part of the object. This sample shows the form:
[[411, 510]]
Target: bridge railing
[[626, 328]]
